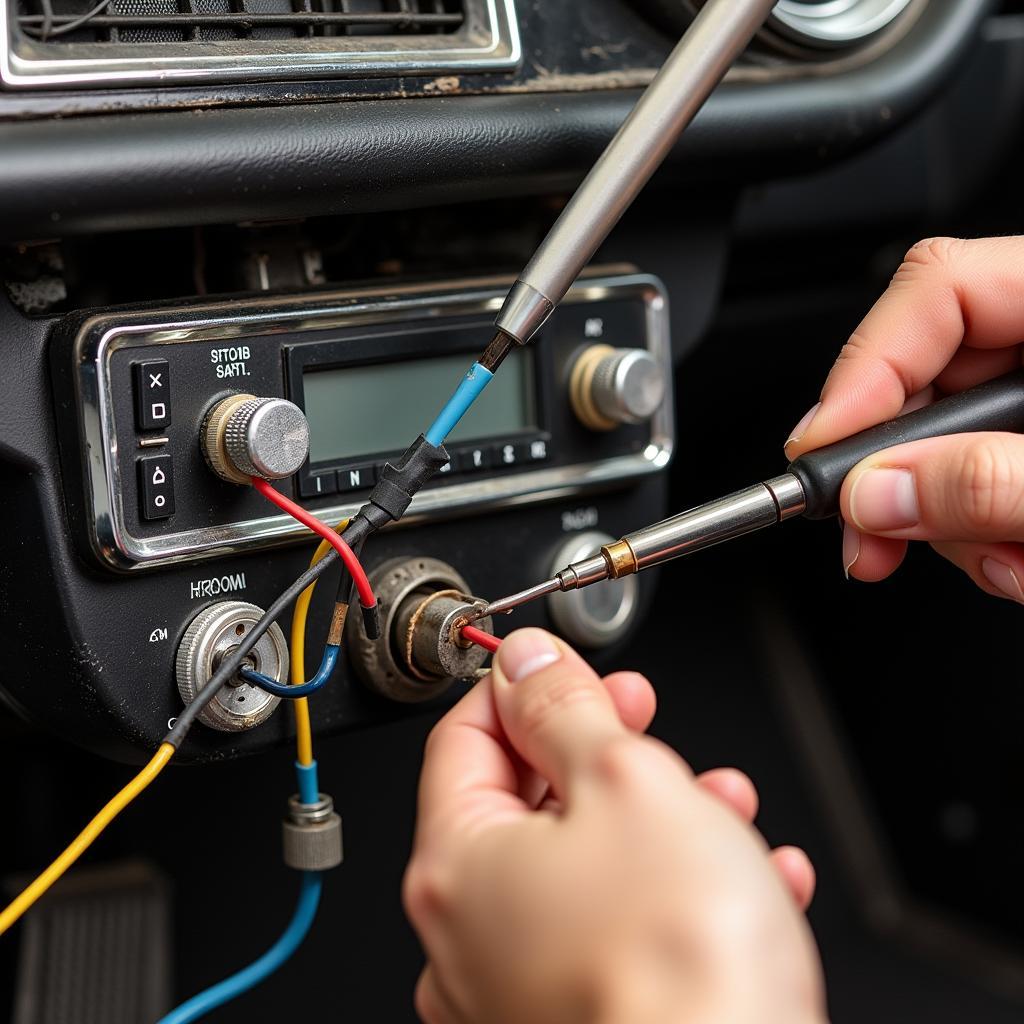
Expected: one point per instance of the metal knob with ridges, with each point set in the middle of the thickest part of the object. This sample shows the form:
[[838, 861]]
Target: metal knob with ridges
[[246, 436], [312, 835], [611, 386]]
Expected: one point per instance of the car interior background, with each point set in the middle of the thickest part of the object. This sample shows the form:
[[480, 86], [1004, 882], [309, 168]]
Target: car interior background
[[213, 211]]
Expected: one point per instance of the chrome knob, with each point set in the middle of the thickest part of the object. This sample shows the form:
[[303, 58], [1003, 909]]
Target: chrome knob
[[246, 436], [211, 636], [593, 617], [610, 386]]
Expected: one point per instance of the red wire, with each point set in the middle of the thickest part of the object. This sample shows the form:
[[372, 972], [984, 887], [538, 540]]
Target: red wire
[[478, 636], [348, 556]]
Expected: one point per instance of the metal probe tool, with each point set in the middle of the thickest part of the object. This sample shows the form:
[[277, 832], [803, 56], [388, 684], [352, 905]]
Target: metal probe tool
[[719, 33], [810, 487]]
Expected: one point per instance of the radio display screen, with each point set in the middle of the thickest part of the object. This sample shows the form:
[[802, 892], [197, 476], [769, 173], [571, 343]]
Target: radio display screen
[[356, 411]]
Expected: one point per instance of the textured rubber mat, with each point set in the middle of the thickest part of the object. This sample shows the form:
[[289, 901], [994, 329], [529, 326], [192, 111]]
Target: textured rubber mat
[[97, 949]]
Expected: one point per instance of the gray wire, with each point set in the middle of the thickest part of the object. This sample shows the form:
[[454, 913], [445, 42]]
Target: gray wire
[[231, 664]]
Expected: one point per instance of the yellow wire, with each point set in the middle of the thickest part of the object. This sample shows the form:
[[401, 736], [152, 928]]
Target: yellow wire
[[86, 837], [303, 729], [78, 846]]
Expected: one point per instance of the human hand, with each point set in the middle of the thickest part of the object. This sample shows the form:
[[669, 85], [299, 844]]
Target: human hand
[[568, 869], [952, 317]]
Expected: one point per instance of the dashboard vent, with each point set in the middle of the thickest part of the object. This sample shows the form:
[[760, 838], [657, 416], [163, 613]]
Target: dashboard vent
[[178, 21], [116, 42]]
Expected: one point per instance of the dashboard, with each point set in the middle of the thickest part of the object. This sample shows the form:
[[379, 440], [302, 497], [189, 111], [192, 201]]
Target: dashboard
[[266, 238]]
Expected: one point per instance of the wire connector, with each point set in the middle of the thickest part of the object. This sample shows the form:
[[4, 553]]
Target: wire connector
[[311, 835], [371, 620], [397, 485]]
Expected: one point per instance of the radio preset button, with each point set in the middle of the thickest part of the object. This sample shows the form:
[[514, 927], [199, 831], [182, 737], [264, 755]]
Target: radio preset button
[[315, 484], [473, 459], [532, 451], [358, 479], [152, 385], [508, 454], [156, 487]]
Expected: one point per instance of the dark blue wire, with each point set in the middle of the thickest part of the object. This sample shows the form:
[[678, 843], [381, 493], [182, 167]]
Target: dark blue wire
[[323, 673]]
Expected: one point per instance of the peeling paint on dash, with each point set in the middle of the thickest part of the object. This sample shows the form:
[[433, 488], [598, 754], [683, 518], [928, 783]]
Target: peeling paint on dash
[[446, 84]]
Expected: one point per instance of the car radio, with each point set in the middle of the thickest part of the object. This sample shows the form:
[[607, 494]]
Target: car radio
[[588, 404]]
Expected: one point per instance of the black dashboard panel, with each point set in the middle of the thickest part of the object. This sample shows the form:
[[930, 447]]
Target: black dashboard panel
[[314, 153]]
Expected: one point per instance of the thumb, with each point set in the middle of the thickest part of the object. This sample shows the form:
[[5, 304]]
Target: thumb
[[553, 707], [960, 488]]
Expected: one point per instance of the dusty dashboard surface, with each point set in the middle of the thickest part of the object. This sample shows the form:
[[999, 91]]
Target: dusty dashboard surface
[[210, 211]]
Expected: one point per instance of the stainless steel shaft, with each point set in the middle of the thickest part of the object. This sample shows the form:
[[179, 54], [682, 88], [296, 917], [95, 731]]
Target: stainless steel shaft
[[737, 514], [717, 36]]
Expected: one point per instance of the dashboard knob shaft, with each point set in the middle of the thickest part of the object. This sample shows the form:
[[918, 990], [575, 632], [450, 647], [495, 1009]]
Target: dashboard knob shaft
[[246, 436], [611, 386]]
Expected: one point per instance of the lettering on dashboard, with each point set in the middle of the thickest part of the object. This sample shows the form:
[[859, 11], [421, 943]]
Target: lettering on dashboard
[[231, 362], [579, 519], [217, 585]]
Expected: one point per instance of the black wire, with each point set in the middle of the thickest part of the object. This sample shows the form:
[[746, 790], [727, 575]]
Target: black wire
[[355, 535], [231, 664]]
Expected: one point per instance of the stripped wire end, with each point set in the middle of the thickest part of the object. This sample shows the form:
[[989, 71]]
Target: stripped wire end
[[337, 624]]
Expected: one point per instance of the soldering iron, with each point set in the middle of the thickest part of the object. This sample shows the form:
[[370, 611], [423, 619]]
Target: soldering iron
[[810, 488]]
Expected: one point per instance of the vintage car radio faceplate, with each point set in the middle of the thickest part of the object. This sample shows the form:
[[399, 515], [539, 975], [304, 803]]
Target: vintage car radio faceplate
[[369, 369]]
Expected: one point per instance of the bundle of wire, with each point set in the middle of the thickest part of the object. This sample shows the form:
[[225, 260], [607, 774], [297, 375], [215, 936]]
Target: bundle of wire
[[309, 792], [332, 547], [306, 770]]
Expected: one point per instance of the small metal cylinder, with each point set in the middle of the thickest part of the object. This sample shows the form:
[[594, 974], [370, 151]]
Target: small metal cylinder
[[312, 836], [431, 645], [732, 516], [416, 657], [245, 436]]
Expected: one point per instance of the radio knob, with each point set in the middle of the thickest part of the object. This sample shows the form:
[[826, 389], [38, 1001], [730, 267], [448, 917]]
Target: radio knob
[[246, 436], [610, 386]]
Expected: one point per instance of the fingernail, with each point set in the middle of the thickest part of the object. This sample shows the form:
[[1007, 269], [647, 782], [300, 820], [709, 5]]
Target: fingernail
[[851, 548], [884, 499], [1003, 578], [801, 428], [526, 652]]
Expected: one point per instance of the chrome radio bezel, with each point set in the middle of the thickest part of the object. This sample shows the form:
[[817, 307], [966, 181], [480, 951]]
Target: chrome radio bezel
[[101, 335]]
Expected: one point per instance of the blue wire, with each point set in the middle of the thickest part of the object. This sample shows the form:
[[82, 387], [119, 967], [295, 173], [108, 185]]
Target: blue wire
[[476, 379], [323, 673], [309, 785], [261, 969]]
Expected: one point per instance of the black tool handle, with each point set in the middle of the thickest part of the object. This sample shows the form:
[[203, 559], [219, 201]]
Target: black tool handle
[[996, 405]]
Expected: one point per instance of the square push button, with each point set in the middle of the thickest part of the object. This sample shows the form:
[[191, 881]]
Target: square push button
[[316, 484], [507, 455], [356, 479], [475, 458], [152, 385], [156, 487]]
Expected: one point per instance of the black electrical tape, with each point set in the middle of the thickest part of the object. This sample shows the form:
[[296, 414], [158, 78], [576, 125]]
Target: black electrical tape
[[396, 487], [231, 664], [371, 620]]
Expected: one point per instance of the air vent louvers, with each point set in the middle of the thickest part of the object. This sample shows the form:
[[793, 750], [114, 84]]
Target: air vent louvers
[[179, 21], [47, 43]]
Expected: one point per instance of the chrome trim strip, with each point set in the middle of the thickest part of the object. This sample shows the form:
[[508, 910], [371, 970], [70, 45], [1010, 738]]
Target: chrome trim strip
[[100, 336], [496, 48]]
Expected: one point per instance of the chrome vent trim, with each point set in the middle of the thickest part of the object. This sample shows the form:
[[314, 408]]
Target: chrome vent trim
[[487, 40]]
